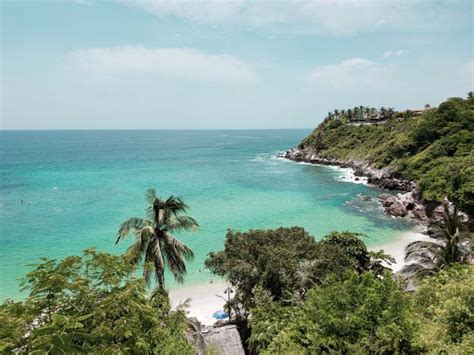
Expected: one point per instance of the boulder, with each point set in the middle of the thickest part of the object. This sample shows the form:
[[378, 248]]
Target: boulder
[[224, 340], [393, 205], [220, 338], [419, 211]]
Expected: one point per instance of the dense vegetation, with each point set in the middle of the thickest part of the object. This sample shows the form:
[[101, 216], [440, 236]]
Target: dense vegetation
[[435, 149], [90, 304], [287, 261], [364, 314], [296, 295]]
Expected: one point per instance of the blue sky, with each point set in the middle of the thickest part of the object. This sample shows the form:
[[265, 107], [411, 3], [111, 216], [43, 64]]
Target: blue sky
[[228, 64]]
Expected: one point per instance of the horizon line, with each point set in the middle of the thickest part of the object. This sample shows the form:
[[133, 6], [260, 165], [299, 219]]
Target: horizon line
[[144, 129]]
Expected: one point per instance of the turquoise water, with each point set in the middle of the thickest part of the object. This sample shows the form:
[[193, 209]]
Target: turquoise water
[[77, 187]]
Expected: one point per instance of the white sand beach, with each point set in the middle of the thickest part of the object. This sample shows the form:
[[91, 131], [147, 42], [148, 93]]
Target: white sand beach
[[396, 247], [205, 300]]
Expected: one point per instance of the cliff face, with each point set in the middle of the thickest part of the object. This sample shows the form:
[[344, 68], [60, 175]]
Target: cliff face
[[431, 156]]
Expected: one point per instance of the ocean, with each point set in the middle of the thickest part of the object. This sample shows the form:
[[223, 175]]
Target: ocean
[[64, 191]]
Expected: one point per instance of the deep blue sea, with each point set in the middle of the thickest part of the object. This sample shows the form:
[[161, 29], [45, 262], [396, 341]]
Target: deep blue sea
[[64, 191]]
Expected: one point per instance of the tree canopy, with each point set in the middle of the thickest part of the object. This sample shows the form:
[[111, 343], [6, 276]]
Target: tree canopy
[[90, 304], [287, 262], [361, 314]]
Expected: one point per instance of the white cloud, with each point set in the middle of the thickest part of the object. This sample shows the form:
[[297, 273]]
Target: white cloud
[[397, 53], [175, 62], [354, 73], [209, 11], [341, 17]]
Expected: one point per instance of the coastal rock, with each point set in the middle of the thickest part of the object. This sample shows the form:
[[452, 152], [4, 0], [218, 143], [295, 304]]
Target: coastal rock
[[408, 200], [401, 205], [393, 205], [220, 339], [224, 340], [438, 212], [419, 212]]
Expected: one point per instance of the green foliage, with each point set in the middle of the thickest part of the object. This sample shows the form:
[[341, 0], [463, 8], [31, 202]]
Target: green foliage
[[90, 304], [444, 309], [287, 262], [361, 314], [435, 149], [269, 258], [269, 318]]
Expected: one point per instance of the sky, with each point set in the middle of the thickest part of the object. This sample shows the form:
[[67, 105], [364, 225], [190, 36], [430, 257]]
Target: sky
[[175, 64]]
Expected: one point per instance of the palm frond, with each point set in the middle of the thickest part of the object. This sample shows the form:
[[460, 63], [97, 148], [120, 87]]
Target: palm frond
[[176, 223], [137, 249], [175, 205], [423, 257], [421, 245], [154, 255], [417, 270], [150, 196], [184, 304], [175, 252], [130, 225]]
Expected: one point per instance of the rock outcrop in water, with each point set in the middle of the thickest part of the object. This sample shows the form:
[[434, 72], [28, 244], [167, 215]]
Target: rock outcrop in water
[[398, 205]]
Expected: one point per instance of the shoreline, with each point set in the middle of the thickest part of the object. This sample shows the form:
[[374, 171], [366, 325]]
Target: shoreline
[[396, 246], [406, 203], [205, 298]]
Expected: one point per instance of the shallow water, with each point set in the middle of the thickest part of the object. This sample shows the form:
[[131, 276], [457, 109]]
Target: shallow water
[[77, 187]]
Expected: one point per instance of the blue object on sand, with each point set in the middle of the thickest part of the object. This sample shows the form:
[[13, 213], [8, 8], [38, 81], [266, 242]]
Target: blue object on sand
[[220, 315]]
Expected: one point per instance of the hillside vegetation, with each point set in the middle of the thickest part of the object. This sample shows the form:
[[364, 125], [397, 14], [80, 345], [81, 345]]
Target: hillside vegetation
[[435, 149]]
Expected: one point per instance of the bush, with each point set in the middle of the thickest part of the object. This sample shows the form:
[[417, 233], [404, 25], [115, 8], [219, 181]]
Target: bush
[[444, 309], [360, 314], [90, 304]]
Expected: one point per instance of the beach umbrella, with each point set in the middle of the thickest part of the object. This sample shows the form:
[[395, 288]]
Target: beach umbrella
[[220, 315]]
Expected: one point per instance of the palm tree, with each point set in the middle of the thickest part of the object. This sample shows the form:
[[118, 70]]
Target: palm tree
[[373, 113], [367, 113], [153, 239], [356, 113], [451, 245], [390, 112]]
